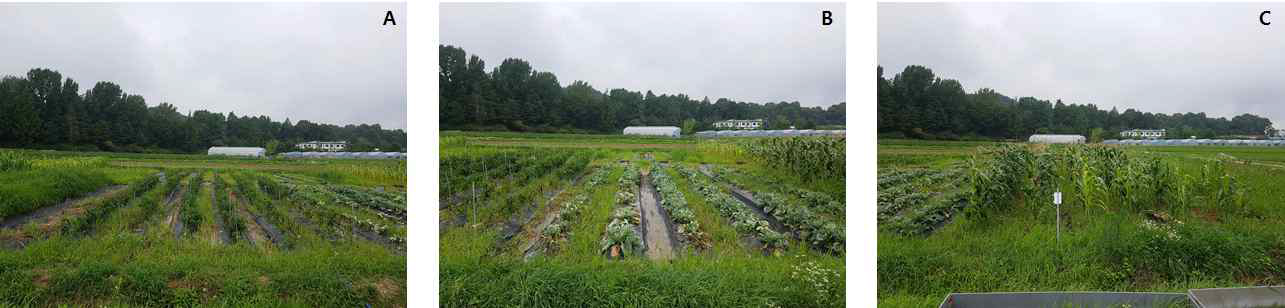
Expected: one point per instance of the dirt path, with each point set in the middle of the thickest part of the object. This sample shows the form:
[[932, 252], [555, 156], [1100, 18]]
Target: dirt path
[[264, 228], [43, 215], [220, 235], [253, 232], [660, 243], [174, 219], [170, 203]]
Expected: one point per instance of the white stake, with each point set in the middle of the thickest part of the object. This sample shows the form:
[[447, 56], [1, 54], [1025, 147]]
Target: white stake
[[1057, 203]]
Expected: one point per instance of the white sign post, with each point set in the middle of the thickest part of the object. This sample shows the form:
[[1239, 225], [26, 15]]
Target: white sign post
[[1057, 203]]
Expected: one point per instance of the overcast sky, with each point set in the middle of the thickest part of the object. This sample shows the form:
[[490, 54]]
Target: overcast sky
[[1153, 57], [330, 63], [746, 52]]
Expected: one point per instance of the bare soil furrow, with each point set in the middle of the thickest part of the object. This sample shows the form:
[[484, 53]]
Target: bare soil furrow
[[658, 231]]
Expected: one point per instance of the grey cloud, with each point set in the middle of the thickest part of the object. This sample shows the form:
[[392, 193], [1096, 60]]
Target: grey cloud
[[1213, 58], [746, 52], [329, 62]]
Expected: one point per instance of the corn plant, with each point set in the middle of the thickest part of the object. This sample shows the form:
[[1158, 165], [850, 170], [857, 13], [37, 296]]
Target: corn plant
[[804, 156], [1097, 178]]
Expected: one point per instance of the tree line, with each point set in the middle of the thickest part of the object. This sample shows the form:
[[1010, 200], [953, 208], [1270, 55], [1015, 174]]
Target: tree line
[[917, 104], [515, 97], [44, 110]]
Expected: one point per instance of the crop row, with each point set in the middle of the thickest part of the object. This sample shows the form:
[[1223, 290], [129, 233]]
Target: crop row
[[231, 222], [190, 215], [929, 216], [380, 203], [251, 188], [475, 174], [1093, 177], [815, 217], [337, 212], [813, 157], [621, 237], [898, 177], [82, 224], [491, 195], [672, 200], [820, 203], [558, 231], [743, 219], [894, 200]]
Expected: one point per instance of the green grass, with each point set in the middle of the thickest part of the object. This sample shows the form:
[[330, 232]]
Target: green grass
[[1107, 249], [27, 190], [726, 241], [686, 282], [584, 241], [477, 270], [131, 270], [90, 254]]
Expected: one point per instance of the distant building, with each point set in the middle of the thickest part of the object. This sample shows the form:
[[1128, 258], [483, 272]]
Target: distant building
[[666, 131], [1143, 133], [1273, 133], [236, 151], [739, 124], [1056, 139], [331, 146]]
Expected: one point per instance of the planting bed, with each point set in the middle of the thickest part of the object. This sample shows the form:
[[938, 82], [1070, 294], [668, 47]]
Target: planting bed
[[979, 217], [192, 236], [627, 212]]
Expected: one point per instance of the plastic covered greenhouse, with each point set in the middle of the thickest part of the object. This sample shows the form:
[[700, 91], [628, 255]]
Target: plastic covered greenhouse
[[236, 151], [1199, 142], [770, 133], [360, 155], [665, 131], [1056, 139]]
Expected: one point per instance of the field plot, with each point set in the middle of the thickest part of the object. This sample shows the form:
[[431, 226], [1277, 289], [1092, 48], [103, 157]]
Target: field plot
[[980, 217], [189, 230], [583, 220]]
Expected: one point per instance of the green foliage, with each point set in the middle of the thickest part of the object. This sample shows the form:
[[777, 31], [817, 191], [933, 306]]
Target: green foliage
[[1091, 178], [622, 231], [921, 105], [689, 126], [515, 97], [189, 213], [85, 223], [807, 157], [556, 233], [815, 217], [45, 110], [688, 282], [30, 189], [672, 200], [743, 219], [13, 161]]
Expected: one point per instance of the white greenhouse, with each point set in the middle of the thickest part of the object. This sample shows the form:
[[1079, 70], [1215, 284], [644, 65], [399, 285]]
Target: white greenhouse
[[666, 131], [236, 151], [1056, 139]]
